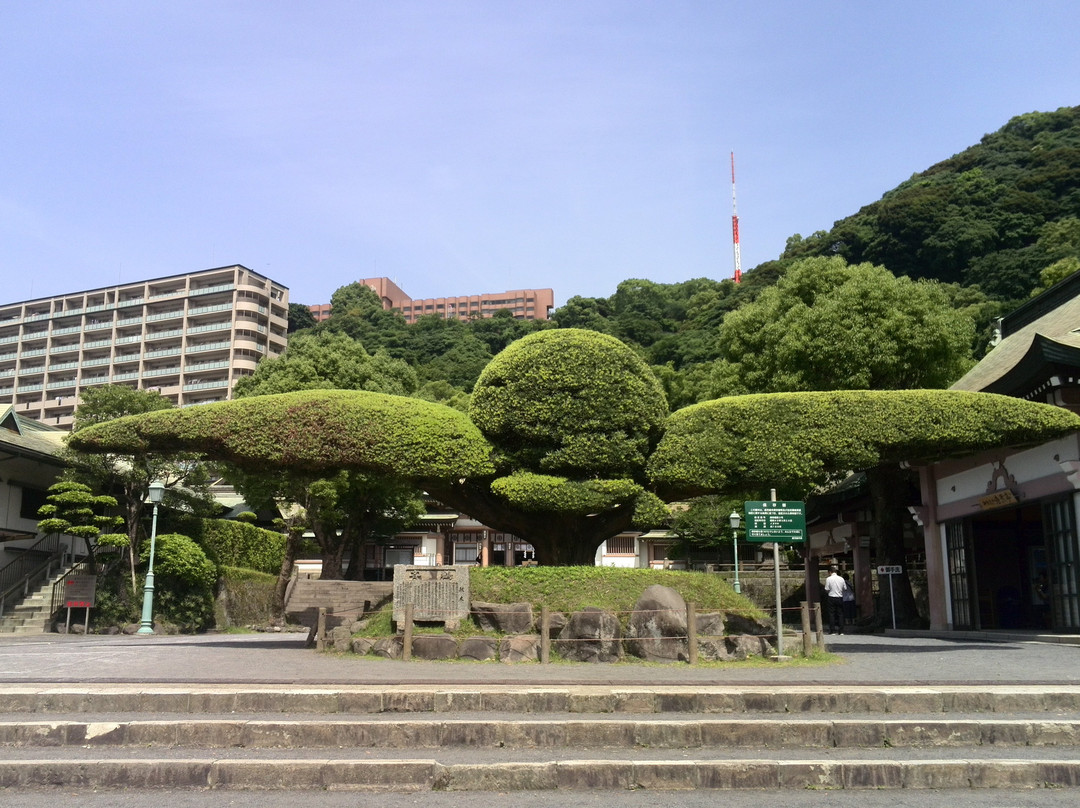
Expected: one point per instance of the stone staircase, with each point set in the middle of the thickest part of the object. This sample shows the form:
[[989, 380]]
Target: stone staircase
[[31, 616], [510, 738], [346, 600]]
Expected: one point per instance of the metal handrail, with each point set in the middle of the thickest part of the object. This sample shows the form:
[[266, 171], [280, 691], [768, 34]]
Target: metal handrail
[[21, 573]]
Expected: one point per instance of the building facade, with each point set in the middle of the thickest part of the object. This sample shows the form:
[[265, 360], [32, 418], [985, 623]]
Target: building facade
[[524, 304], [189, 336], [1000, 527]]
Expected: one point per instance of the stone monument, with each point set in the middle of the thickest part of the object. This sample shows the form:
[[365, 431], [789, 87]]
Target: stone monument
[[437, 594]]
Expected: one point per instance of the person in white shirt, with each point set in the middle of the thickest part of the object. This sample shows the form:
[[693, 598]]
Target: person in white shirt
[[834, 596]]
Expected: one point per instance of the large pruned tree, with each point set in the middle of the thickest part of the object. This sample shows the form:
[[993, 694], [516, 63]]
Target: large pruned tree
[[828, 325], [568, 439], [346, 509]]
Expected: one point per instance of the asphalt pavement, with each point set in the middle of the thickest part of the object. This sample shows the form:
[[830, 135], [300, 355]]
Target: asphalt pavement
[[267, 658]]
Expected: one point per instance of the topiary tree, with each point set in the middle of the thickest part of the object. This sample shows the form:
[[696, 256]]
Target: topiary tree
[[588, 396], [73, 509]]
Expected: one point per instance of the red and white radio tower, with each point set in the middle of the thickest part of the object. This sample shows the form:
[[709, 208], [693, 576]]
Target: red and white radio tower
[[735, 223]]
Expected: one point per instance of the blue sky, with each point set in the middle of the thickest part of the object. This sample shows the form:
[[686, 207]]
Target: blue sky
[[464, 147]]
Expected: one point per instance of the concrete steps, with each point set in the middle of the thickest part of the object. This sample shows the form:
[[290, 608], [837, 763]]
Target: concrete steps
[[32, 614], [407, 738]]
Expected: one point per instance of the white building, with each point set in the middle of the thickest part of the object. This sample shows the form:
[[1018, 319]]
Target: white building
[[189, 336]]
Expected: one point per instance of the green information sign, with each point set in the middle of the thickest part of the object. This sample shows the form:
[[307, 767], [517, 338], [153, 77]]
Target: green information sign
[[780, 522]]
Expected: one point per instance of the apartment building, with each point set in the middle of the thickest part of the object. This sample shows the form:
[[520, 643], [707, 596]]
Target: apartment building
[[189, 336], [524, 304]]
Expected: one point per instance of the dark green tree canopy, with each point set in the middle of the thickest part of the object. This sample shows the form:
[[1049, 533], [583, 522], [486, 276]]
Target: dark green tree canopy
[[570, 402], [827, 325]]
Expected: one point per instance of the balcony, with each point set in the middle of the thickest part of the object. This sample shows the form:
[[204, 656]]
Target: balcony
[[60, 385], [104, 360], [208, 346], [175, 332], [97, 326], [127, 340], [171, 371], [129, 321], [200, 366], [209, 290], [88, 380], [57, 349], [207, 309], [164, 315], [30, 388], [206, 385], [101, 343], [123, 377], [72, 329], [32, 352], [202, 329], [163, 352], [62, 366]]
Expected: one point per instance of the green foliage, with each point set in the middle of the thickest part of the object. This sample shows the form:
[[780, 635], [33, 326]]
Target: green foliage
[[797, 441], [184, 581], [73, 509], [705, 522], [323, 360], [300, 317], [312, 430], [540, 492], [570, 402], [237, 544], [830, 326]]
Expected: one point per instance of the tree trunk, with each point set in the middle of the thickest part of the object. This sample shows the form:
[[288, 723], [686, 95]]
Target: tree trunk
[[889, 486], [292, 543]]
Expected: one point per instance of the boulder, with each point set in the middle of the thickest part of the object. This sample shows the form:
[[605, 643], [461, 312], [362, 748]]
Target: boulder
[[591, 635], [478, 648], [388, 647], [520, 648], [340, 638], [434, 646], [505, 618], [710, 624], [658, 628], [362, 645]]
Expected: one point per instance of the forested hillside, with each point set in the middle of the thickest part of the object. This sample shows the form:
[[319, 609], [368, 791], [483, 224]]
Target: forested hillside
[[980, 231], [993, 216]]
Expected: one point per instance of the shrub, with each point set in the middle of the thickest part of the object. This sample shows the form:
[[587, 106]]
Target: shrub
[[237, 544], [184, 581]]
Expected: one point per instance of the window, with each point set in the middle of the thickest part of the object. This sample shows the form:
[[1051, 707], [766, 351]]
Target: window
[[620, 545], [32, 499], [466, 553]]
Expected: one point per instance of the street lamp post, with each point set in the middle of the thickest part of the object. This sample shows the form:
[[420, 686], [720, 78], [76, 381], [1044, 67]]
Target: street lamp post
[[146, 626], [736, 521]]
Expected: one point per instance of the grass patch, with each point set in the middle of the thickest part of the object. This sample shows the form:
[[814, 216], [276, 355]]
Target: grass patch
[[571, 589]]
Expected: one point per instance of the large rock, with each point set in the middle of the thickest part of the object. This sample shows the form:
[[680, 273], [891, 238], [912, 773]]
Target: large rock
[[389, 647], [479, 648], [591, 635], [520, 648], [658, 626], [434, 646], [710, 624], [505, 618]]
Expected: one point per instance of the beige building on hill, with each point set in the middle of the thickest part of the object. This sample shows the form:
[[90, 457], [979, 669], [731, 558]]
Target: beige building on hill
[[524, 304], [189, 336]]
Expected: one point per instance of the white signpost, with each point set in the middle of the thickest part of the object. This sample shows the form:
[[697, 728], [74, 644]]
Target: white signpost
[[891, 570]]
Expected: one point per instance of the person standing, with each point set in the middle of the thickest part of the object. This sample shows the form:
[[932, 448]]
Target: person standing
[[834, 592]]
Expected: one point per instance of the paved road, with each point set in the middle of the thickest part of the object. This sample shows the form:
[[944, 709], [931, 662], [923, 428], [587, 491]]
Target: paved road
[[284, 659]]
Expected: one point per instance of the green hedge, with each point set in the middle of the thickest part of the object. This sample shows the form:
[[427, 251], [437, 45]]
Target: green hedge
[[184, 580], [238, 544], [797, 441], [312, 430]]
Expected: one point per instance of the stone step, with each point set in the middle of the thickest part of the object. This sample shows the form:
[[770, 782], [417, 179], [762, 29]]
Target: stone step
[[884, 701], [592, 773], [559, 732]]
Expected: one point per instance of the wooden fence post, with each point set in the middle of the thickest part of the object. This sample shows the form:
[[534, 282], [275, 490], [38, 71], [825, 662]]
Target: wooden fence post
[[807, 638], [406, 645], [320, 630], [545, 635], [691, 633]]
